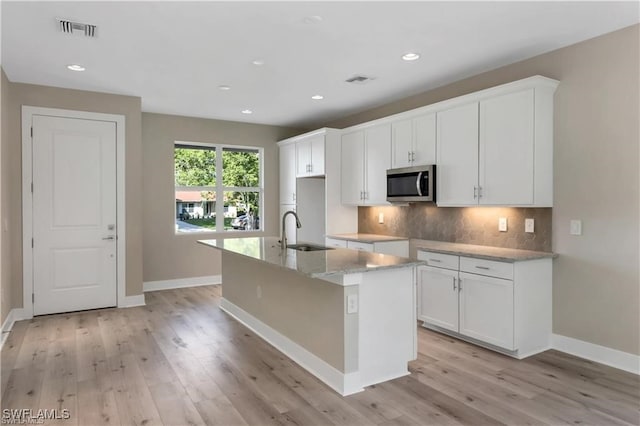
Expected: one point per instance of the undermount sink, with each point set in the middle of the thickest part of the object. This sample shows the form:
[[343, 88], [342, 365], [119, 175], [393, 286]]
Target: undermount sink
[[307, 247]]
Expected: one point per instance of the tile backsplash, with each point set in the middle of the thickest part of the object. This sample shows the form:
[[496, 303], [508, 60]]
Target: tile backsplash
[[469, 225]]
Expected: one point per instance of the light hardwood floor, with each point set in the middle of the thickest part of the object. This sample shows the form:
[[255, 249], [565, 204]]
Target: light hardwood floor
[[179, 360]]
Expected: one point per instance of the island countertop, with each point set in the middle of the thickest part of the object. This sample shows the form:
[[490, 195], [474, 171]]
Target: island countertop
[[315, 264]]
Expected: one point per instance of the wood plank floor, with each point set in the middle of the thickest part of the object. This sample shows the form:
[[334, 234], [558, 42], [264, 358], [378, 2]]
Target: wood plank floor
[[179, 360]]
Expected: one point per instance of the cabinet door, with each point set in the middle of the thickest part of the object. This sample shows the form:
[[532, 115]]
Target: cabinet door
[[401, 144], [317, 156], [486, 309], [457, 152], [292, 231], [378, 160], [507, 149], [438, 297], [424, 140], [303, 158], [331, 242], [352, 168], [288, 174]]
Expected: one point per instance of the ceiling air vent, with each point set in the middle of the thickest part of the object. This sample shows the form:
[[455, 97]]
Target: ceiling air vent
[[71, 27], [359, 79]]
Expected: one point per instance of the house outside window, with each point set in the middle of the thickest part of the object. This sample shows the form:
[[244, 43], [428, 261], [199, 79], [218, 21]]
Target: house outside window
[[218, 188]]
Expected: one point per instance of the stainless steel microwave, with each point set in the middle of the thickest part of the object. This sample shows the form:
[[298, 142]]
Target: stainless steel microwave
[[411, 184]]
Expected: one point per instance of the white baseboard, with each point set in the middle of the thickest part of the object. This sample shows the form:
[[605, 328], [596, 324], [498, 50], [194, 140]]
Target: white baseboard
[[607, 356], [132, 301], [181, 283], [17, 314], [344, 384]]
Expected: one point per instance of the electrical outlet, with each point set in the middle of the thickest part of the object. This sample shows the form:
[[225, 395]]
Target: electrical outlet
[[352, 304], [380, 217], [528, 225], [502, 224], [575, 227]]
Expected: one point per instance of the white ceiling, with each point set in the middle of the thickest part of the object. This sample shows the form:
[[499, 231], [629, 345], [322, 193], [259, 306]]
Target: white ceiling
[[174, 55]]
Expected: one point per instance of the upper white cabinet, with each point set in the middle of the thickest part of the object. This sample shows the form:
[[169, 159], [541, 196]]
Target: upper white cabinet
[[497, 147], [310, 157], [413, 141], [288, 174], [365, 160]]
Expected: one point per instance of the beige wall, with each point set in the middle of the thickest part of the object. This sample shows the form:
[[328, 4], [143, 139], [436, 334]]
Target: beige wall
[[169, 256], [52, 97], [596, 128], [6, 289]]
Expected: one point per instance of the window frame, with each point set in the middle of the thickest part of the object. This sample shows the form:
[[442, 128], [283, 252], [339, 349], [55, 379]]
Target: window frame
[[219, 189]]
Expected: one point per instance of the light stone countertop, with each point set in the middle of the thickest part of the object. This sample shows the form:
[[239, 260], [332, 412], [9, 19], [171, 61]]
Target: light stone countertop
[[366, 238], [481, 252], [315, 264]]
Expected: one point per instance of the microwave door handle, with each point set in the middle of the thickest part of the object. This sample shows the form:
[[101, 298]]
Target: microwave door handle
[[418, 184]]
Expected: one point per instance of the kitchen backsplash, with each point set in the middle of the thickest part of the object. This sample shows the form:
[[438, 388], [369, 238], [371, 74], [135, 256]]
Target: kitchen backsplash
[[469, 225]]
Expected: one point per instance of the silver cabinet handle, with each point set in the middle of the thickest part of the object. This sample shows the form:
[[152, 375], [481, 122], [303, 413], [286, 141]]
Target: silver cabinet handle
[[413, 156], [459, 284], [479, 192], [435, 260], [408, 156], [475, 192], [418, 184], [110, 237], [293, 194], [483, 267], [454, 284]]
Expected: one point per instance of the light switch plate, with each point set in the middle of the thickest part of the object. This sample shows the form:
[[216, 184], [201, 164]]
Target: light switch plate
[[502, 224], [380, 217], [529, 225], [575, 227]]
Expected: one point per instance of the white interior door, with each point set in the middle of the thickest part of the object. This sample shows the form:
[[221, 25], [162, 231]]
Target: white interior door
[[74, 214]]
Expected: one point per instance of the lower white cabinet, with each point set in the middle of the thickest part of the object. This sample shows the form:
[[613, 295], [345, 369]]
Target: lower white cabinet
[[397, 248], [504, 305]]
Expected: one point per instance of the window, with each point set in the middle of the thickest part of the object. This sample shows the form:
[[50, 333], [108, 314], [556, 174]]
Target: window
[[218, 188]]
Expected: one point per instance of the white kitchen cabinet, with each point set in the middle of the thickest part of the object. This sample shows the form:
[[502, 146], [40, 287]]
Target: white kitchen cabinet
[[288, 174], [457, 151], [365, 160], [438, 297], [498, 149], [310, 157], [413, 141], [486, 309], [505, 306]]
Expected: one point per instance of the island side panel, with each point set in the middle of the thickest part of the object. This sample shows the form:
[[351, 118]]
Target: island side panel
[[308, 311]]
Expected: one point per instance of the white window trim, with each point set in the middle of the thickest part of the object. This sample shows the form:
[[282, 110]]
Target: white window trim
[[219, 187]]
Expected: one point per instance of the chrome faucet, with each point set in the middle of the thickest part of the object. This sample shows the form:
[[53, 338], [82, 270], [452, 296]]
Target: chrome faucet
[[283, 240]]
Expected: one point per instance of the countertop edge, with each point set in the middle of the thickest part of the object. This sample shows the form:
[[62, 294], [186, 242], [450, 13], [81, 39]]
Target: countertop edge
[[486, 256], [371, 240]]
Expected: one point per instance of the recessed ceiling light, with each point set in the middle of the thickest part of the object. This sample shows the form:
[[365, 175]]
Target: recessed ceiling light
[[317, 97], [224, 87], [258, 62], [410, 56], [76, 67], [247, 111], [314, 19]]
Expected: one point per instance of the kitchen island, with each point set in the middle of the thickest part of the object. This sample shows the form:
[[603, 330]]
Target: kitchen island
[[346, 316]]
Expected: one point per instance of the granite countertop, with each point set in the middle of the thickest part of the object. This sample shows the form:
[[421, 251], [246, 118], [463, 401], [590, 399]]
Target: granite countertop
[[366, 238], [481, 252], [315, 264]]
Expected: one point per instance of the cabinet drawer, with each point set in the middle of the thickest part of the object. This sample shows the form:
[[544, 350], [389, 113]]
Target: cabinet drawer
[[355, 245], [490, 268], [330, 242], [439, 260]]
